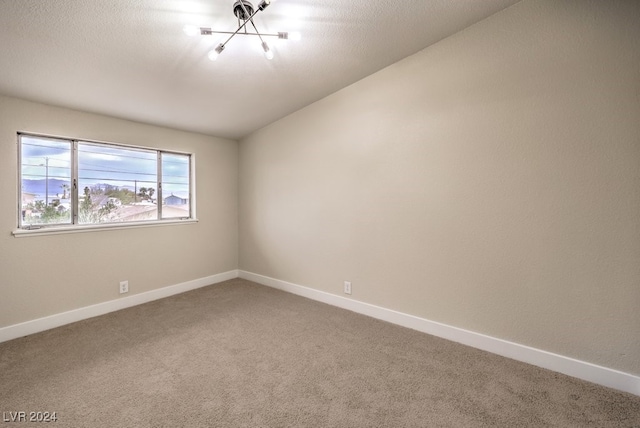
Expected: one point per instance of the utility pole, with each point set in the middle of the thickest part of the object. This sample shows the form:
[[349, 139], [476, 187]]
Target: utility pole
[[47, 181]]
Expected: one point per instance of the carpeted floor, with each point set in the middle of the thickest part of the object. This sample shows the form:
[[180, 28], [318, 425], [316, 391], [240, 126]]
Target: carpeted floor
[[238, 354]]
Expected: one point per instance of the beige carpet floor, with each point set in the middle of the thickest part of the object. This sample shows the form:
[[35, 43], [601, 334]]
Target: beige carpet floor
[[238, 354]]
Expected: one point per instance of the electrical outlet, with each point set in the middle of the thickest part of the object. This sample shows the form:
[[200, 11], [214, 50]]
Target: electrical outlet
[[124, 287], [347, 287]]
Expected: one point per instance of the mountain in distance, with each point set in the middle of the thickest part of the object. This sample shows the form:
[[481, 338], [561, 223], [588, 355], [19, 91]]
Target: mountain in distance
[[39, 187]]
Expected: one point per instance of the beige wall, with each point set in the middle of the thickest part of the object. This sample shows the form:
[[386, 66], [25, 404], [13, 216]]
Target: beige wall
[[46, 275], [490, 182]]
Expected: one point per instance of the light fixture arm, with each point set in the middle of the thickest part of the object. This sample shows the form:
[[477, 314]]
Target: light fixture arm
[[246, 12], [209, 32], [241, 26]]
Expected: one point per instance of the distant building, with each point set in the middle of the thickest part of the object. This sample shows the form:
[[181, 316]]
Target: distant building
[[28, 198], [175, 200]]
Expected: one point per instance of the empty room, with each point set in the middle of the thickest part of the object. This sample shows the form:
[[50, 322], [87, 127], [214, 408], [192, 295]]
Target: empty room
[[255, 213]]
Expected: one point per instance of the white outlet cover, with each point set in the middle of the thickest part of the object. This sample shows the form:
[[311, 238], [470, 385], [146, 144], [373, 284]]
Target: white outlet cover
[[347, 287]]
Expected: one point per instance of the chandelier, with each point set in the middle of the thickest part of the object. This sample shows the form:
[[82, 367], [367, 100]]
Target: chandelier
[[244, 12]]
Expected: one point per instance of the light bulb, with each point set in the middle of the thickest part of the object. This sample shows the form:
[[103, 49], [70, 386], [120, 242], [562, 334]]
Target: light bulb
[[191, 30], [267, 52], [213, 54], [294, 35]]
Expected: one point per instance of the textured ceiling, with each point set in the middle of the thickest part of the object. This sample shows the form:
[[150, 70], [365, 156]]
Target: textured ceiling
[[130, 58]]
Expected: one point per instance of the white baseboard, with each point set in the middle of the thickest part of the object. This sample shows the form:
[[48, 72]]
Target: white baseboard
[[580, 369], [57, 320]]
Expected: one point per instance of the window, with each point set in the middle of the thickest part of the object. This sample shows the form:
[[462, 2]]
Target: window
[[72, 182]]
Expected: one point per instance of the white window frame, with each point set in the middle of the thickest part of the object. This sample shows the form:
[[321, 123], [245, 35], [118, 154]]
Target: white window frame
[[24, 229]]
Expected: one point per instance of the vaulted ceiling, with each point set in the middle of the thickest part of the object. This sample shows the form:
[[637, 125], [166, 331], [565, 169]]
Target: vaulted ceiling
[[131, 59]]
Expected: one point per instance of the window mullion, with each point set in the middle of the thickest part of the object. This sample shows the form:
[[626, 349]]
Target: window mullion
[[159, 186], [20, 189], [191, 199], [74, 182]]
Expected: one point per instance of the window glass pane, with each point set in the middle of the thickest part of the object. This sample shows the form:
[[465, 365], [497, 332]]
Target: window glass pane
[[116, 184], [46, 180], [176, 200]]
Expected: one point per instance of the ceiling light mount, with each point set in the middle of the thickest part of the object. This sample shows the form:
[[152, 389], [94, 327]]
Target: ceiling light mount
[[244, 11]]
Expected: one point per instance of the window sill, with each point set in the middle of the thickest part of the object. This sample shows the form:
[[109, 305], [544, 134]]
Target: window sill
[[59, 230]]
